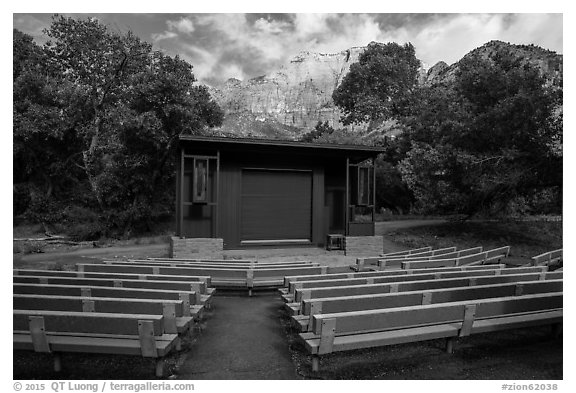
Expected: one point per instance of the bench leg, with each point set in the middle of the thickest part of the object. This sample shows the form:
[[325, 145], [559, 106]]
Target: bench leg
[[160, 367], [197, 326], [315, 363], [178, 345], [57, 362], [249, 291], [450, 344]]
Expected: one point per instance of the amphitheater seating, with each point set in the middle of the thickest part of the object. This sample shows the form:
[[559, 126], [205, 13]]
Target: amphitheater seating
[[93, 332], [333, 332], [548, 258], [235, 277]]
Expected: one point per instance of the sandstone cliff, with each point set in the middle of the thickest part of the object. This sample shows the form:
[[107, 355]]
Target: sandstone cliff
[[291, 100]]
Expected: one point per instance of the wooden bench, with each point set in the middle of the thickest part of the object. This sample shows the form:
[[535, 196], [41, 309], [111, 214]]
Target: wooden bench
[[395, 260], [548, 258], [306, 288], [386, 263], [194, 288], [214, 265], [294, 282], [330, 276], [109, 333], [311, 289], [177, 319], [205, 289], [419, 297], [491, 256], [228, 261], [429, 283], [243, 278], [372, 328], [221, 261], [367, 262], [188, 299], [407, 252]]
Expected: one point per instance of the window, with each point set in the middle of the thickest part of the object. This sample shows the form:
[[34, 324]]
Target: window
[[200, 184], [363, 186]]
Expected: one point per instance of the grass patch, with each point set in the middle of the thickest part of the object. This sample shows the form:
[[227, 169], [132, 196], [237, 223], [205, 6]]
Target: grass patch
[[526, 239]]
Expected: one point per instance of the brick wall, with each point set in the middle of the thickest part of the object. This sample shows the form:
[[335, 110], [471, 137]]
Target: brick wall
[[363, 245], [196, 248]]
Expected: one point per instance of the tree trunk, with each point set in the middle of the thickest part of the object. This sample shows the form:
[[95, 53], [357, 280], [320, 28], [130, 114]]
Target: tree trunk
[[89, 158]]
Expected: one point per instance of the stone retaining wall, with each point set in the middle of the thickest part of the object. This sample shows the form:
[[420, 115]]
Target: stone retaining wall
[[196, 248], [363, 245]]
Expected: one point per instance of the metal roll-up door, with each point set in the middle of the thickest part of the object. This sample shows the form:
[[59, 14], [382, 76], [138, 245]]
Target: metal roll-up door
[[276, 205]]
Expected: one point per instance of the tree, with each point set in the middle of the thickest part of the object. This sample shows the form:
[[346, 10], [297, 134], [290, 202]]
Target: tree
[[378, 87], [119, 107], [490, 138]]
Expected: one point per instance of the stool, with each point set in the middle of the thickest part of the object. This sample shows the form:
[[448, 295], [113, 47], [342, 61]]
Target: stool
[[334, 242]]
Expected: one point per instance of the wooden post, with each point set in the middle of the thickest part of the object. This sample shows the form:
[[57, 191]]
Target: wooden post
[[327, 333], [347, 215], [315, 363], [450, 344], [374, 193], [216, 208], [160, 367], [181, 194], [556, 330], [250, 280], [468, 320], [57, 362], [147, 339]]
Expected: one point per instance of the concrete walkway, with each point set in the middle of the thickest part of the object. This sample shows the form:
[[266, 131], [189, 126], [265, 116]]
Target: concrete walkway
[[242, 339]]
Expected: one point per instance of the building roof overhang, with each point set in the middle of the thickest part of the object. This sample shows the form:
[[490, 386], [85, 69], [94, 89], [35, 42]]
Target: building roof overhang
[[356, 152]]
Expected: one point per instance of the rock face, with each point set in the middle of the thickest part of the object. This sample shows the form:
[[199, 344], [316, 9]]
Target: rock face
[[549, 63], [297, 96], [291, 101]]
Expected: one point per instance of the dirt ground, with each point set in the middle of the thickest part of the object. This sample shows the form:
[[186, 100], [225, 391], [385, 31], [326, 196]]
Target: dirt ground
[[517, 354]]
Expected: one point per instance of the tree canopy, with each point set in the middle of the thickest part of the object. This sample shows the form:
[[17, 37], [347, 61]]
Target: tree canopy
[[379, 85], [488, 139], [97, 114]]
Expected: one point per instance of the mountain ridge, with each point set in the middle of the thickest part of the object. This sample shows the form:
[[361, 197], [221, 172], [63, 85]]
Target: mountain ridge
[[291, 100]]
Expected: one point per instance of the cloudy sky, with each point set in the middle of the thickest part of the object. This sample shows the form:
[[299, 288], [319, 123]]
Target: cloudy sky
[[226, 45]]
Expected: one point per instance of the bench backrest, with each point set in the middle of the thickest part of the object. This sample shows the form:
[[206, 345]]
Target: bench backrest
[[227, 261], [124, 276], [88, 323], [98, 304], [413, 316], [108, 292], [411, 277], [407, 252], [547, 257], [169, 309], [164, 270], [334, 276], [404, 275], [444, 260], [212, 265], [431, 296], [366, 289], [105, 282], [280, 273]]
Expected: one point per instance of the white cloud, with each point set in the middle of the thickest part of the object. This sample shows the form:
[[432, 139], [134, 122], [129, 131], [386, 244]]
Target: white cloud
[[163, 36], [270, 27], [230, 45], [184, 25]]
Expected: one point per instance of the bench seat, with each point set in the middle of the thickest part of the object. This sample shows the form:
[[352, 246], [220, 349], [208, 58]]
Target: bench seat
[[425, 333], [119, 345]]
